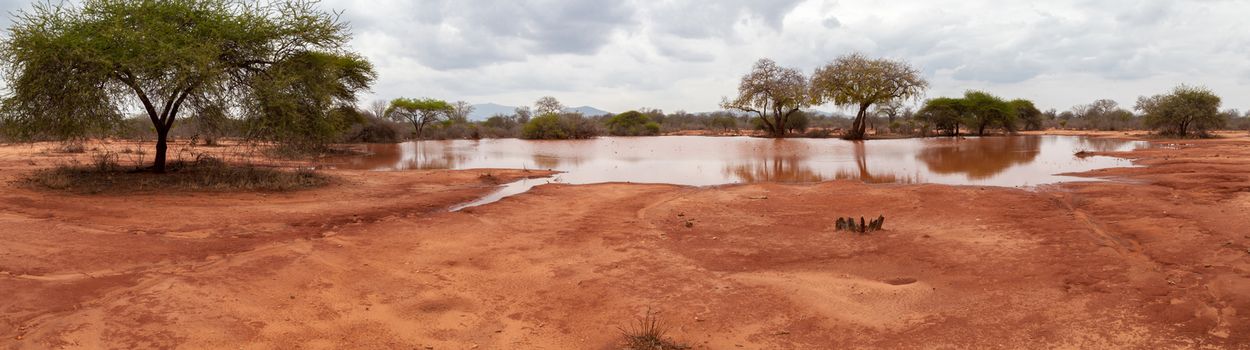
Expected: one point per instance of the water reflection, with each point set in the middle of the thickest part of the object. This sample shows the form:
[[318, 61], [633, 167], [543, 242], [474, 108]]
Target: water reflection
[[979, 158], [700, 161]]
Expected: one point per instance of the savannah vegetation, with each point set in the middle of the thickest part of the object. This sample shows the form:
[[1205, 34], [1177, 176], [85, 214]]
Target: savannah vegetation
[[274, 71], [279, 72]]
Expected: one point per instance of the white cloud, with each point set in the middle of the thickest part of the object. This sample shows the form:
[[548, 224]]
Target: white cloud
[[686, 54]]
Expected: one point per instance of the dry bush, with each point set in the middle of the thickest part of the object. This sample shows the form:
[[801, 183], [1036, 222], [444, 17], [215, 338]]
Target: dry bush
[[204, 174], [649, 333]]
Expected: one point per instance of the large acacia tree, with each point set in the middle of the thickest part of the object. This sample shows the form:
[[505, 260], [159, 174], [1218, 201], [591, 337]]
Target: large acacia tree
[[944, 114], [773, 93], [985, 110], [73, 70], [858, 81], [1185, 109], [419, 112]]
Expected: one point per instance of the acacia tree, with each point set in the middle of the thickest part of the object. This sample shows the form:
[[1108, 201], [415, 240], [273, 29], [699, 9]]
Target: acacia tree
[[460, 111], [1027, 113], [1184, 109], [984, 110], [943, 113], [548, 105], [858, 81], [74, 70], [773, 93], [890, 110], [418, 112]]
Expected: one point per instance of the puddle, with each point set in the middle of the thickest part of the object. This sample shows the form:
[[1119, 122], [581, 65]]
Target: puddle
[[1015, 161]]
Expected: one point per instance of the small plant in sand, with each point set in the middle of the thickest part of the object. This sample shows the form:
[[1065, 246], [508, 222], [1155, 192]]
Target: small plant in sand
[[648, 333], [863, 227]]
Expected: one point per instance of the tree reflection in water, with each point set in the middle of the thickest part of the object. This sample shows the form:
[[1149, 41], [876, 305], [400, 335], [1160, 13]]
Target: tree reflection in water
[[980, 158], [414, 155], [778, 160], [704, 161], [861, 172]]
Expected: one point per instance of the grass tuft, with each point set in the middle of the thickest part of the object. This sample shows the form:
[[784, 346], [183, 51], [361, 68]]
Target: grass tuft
[[205, 174], [649, 333]]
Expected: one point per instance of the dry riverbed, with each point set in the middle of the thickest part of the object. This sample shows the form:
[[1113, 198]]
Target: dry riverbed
[[1159, 257]]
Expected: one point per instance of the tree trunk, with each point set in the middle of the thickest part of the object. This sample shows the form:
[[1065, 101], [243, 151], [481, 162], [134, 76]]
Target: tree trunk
[[158, 164], [859, 127], [981, 129], [779, 123]]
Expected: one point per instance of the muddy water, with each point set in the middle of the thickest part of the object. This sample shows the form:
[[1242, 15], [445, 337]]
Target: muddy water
[[700, 161]]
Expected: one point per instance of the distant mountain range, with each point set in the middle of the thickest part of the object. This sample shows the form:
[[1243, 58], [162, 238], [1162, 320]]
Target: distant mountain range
[[486, 110]]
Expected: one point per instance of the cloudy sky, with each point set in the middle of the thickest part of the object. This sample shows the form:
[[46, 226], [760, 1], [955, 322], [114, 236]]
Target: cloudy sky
[[687, 54]]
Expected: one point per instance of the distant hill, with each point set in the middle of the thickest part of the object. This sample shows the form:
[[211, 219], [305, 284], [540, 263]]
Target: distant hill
[[486, 110], [587, 110]]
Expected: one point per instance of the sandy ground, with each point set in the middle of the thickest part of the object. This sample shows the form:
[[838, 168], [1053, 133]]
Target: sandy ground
[[1158, 258]]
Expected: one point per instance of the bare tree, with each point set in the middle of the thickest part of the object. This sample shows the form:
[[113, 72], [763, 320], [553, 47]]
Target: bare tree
[[856, 80], [378, 108], [771, 92], [460, 111], [522, 114], [548, 105]]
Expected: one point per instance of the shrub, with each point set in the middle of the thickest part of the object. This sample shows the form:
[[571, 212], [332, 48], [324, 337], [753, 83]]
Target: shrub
[[553, 126], [105, 175], [648, 334], [797, 123], [632, 123], [375, 130], [1183, 110]]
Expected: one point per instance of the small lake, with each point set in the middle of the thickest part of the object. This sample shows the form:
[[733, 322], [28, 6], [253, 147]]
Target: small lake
[[1009, 161]]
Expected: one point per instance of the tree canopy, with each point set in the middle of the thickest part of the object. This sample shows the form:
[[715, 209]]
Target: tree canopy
[[548, 105], [944, 114], [632, 123], [1027, 113], [74, 70], [420, 112], [771, 92], [1183, 110], [858, 81], [985, 110]]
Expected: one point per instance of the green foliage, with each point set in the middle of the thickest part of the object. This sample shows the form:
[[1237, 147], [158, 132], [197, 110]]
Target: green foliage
[[1027, 113], [559, 126], [1185, 109], [772, 93], [858, 81], [798, 123], [985, 110], [632, 123], [943, 114], [545, 127], [308, 99], [73, 69], [420, 112]]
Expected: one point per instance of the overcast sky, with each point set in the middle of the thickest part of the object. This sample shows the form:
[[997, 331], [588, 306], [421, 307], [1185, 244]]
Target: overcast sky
[[687, 54]]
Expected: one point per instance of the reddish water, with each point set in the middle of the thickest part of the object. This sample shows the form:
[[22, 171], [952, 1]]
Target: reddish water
[[700, 161]]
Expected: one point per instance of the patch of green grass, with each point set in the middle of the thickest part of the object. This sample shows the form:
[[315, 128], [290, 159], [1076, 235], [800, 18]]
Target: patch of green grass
[[205, 174]]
